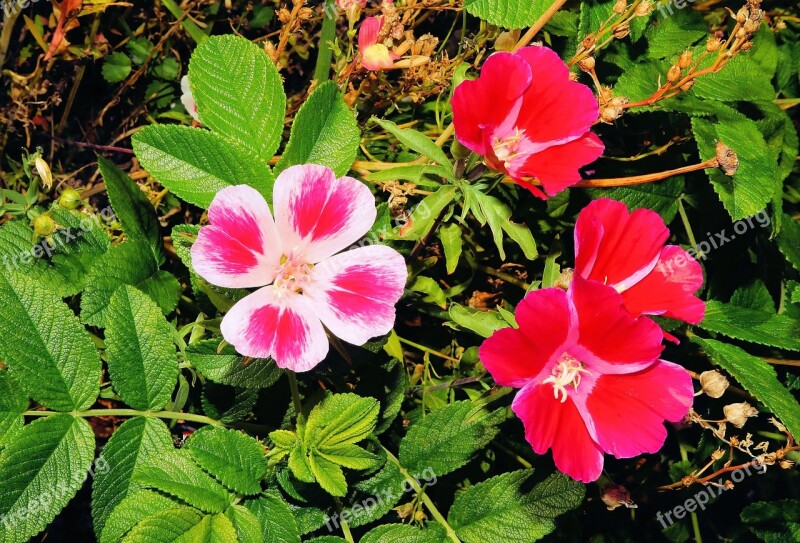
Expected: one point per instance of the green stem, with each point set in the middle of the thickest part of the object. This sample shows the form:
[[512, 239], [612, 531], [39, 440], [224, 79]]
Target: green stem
[[194, 31], [323, 68], [425, 499], [428, 350], [7, 33], [695, 523], [298, 404], [688, 227], [191, 417]]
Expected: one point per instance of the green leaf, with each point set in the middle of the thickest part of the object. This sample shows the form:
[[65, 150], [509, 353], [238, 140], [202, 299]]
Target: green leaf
[[324, 132], [450, 234], [278, 524], [237, 460], [425, 214], [132, 509], [135, 441], [403, 533], [140, 49], [447, 439], [419, 174], [752, 325], [789, 241], [230, 368], [116, 67], [340, 419], [488, 209], [48, 351], [351, 456], [670, 36], [416, 141], [661, 197], [128, 264], [758, 378], [483, 323], [195, 164], [329, 475], [501, 509], [131, 206], [13, 402], [248, 528], [432, 290], [741, 79], [182, 525], [174, 474], [228, 404], [40, 471], [511, 14], [773, 522], [239, 93], [73, 258], [141, 354], [756, 183]]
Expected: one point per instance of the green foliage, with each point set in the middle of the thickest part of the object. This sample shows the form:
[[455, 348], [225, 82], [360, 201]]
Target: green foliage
[[227, 367], [234, 458], [752, 325], [773, 522], [508, 13], [276, 519], [415, 141], [116, 68]]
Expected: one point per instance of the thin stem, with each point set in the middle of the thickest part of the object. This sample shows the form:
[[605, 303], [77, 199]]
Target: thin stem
[[539, 24], [428, 350], [688, 226], [298, 404], [506, 277], [451, 534], [782, 362], [191, 417]]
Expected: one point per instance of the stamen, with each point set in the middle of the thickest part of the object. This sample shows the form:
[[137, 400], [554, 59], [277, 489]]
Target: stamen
[[567, 372], [506, 148]]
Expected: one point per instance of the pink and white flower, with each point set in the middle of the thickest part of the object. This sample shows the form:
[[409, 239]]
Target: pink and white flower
[[375, 56], [590, 377], [302, 282], [187, 99]]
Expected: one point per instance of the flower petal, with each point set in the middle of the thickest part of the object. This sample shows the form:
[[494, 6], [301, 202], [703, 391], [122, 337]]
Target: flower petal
[[318, 215], [187, 99], [629, 410], [491, 102], [628, 247], [611, 340], [274, 323], [368, 32], [240, 248], [549, 423], [669, 288], [557, 167], [355, 292]]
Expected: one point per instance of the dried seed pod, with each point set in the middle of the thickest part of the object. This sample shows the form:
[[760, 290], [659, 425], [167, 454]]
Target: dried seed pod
[[622, 30], [620, 6], [674, 73], [616, 496], [742, 15], [685, 60], [714, 383], [728, 161], [643, 8], [713, 44], [738, 413], [688, 85], [587, 64]]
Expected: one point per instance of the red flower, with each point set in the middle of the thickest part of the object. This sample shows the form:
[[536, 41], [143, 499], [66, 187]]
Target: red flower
[[375, 56], [591, 379], [528, 119], [626, 251]]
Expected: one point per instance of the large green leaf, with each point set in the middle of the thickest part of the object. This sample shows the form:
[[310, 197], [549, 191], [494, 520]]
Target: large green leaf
[[239, 93], [131, 206], [132, 509], [758, 378], [508, 13], [195, 164], [182, 525], [135, 441], [501, 509], [278, 524], [248, 528], [324, 132], [40, 471], [13, 402], [773, 522], [227, 367], [47, 350], [447, 439], [130, 263], [238, 461], [403, 533], [753, 325], [739, 80], [667, 37], [141, 354], [415, 141]]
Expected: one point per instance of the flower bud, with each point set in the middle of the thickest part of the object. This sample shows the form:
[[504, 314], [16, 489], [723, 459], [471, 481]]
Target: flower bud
[[674, 73], [43, 226], [44, 172], [622, 30], [643, 8], [738, 413], [615, 496], [742, 14], [717, 454], [419, 516], [69, 199], [587, 64], [728, 161], [714, 383], [620, 6], [685, 60], [713, 44]]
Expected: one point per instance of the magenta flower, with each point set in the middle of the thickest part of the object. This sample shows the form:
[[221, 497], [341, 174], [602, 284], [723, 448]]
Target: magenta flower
[[528, 119], [374, 56], [293, 258], [626, 251], [591, 379]]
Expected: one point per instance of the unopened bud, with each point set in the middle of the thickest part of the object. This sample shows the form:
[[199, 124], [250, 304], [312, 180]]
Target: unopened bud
[[43, 226], [644, 8], [674, 73], [620, 6], [70, 199], [586, 64], [716, 455], [738, 413], [714, 383], [44, 172], [616, 496], [622, 30], [728, 161], [419, 516], [742, 14], [685, 60], [713, 44]]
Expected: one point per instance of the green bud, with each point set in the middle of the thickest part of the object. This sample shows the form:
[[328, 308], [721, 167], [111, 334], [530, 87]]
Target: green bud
[[43, 225], [70, 199]]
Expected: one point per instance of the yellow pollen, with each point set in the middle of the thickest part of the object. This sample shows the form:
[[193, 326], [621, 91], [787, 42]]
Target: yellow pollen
[[506, 148], [292, 274], [567, 372]]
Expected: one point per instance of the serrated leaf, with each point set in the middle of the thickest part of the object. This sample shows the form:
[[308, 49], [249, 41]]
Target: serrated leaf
[[237, 460], [227, 404], [670, 36], [503, 509], [195, 164], [740, 79], [324, 132], [340, 419], [450, 234], [773, 522], [483, 323], [511, 14], [329, 475], [752, 325], [661, 197], [415, 141], [76, 246], [174, 474], [182, 525], [135, 441], [141, 354], [351, 457], [299, 464], [133, 264], [403, 533], [383, 490], [229, 368], [40, 471], [13, 402], [758, 378], [278, 524], [131, 206], [239, 92], [387, 382], [447, 439], [246, 524], [789, 241], [49, 353], [132, 509]]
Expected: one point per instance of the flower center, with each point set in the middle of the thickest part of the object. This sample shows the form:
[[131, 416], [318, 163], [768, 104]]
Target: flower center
[[506, 149], [293, 274], [566, 372]]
